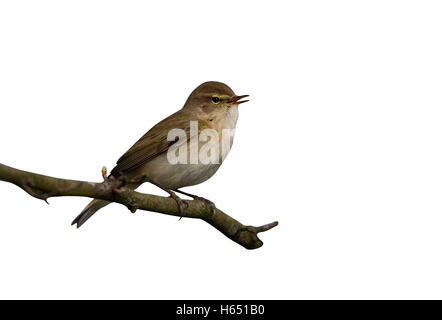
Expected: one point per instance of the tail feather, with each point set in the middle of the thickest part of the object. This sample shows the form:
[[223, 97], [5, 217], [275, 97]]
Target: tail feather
[[88, 211]]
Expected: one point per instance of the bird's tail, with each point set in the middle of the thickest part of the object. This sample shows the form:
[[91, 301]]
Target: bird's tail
[[90, 209]]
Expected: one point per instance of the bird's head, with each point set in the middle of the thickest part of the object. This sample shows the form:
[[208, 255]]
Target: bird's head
[[213, 96]]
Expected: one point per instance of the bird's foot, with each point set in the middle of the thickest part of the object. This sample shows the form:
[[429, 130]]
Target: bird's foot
[[182, 204], [209, 203]]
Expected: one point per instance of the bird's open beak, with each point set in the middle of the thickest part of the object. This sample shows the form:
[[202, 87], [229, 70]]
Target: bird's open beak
[[235, 99]]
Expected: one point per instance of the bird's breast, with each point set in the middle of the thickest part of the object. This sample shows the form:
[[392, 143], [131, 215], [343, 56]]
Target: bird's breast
[[177, 175], [227, 125]]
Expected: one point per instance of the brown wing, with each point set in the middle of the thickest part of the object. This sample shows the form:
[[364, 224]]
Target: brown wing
[[154, 142]]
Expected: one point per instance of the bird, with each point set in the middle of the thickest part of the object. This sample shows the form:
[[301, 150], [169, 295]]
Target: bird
[[210, 108]]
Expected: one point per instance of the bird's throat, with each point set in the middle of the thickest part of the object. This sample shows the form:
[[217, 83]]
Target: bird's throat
[[230, 117]]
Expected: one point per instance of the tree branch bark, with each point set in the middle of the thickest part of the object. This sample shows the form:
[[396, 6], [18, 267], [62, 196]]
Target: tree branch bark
[[44, 187]]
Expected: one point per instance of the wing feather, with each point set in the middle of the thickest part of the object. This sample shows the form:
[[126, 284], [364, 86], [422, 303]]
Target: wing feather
[[154, 142]]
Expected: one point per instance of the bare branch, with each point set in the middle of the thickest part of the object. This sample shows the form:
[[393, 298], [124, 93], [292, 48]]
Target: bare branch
[[44, 187]]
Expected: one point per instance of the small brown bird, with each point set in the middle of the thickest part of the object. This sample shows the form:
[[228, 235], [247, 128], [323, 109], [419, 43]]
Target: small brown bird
[[213, 107]]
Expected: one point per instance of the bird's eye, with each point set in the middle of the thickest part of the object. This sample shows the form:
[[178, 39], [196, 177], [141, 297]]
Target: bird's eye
[[215, 100]]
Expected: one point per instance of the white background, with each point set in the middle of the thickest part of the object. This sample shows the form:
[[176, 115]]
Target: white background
[[341, 143]]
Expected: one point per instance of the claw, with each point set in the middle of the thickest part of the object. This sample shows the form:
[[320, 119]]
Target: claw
[[208, 203], [182, 204]]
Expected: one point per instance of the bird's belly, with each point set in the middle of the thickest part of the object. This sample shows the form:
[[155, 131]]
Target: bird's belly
[[174, 176]]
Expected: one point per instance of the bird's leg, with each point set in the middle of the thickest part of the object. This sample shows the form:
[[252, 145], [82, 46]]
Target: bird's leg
[[180, 202], [195, 197]]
